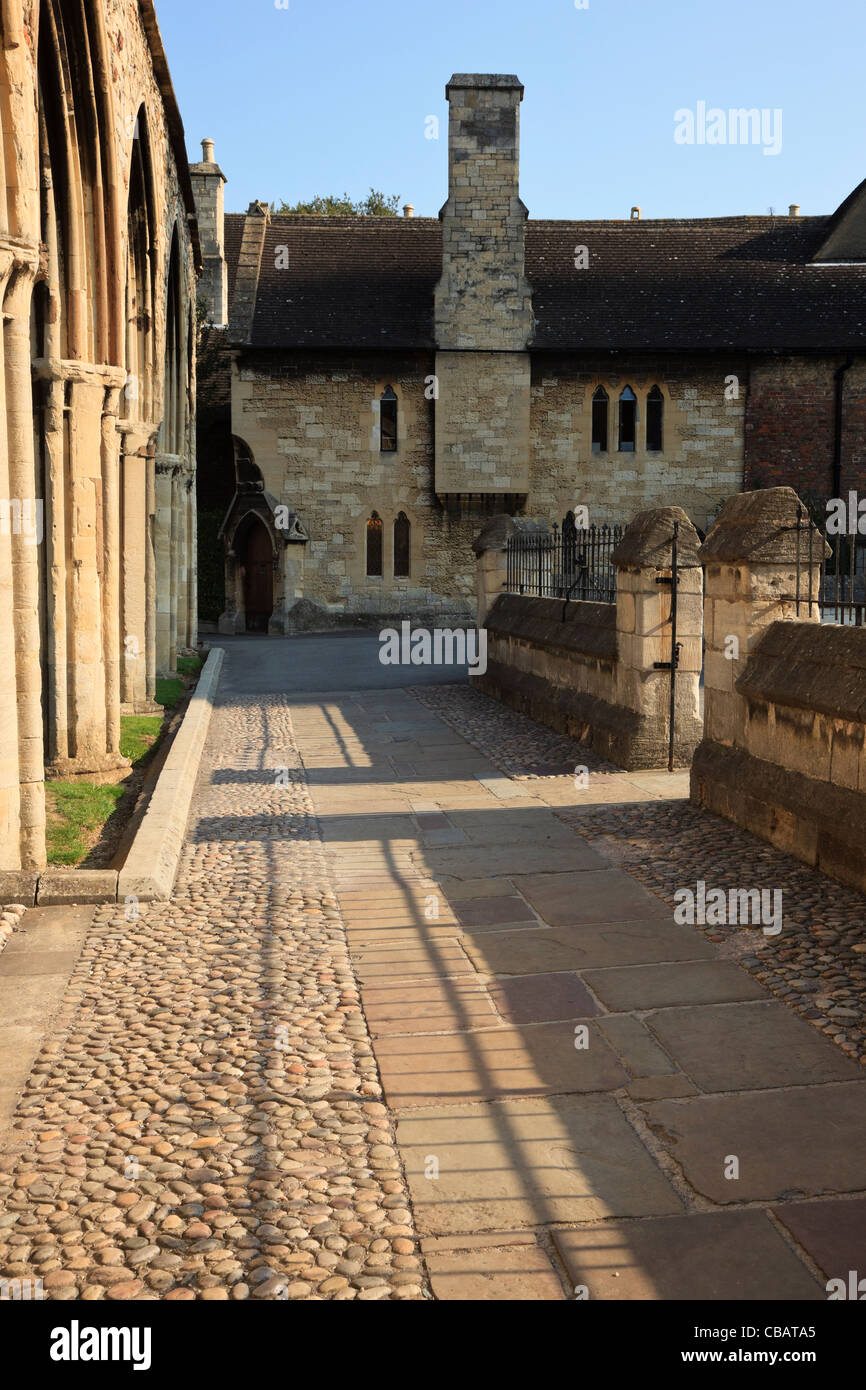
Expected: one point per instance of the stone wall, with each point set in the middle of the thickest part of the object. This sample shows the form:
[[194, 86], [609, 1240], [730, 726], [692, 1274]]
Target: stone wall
[[589, 670], [784, 748], [701, 461], [312, 423]]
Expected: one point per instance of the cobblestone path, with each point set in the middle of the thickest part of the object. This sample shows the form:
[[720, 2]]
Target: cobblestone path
[[206, 1120], [419, 1022]]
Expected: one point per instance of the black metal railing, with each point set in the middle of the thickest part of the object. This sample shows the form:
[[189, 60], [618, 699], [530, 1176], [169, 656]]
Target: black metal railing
[[574, 563], [840, 575]]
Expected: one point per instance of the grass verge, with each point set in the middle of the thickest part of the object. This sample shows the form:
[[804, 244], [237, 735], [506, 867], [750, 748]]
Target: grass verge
[[76, 811]]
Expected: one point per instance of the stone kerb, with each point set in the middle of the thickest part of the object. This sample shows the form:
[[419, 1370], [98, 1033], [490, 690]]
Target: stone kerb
[[643, 561]]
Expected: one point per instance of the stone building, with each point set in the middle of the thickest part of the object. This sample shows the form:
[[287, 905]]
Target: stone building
[[98, 261], [390, 382]]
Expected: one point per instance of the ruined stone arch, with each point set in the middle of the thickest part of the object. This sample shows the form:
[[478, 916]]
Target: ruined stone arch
[[175, 388], [140, 276], [78, 180]]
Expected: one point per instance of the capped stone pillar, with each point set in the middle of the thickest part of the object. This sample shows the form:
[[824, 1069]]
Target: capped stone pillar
[[491, 562], [644, 561], [753, 575], [751, 567]]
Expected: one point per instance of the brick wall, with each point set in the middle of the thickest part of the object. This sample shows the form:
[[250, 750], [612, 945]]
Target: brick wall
[[790, 424]]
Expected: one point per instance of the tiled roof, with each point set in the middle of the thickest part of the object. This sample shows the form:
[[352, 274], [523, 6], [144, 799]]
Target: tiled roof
[[688, 285]]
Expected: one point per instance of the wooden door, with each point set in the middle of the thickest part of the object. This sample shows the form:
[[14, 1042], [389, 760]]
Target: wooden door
[[259, 579]]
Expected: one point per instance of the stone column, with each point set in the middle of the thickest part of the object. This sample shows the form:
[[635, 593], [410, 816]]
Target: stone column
[[751, 568], [133, 631], [26, 604], [111, 546], [10, 791], [177, 541], [164, 556], [491, 567], [150, 579], [643, 562]]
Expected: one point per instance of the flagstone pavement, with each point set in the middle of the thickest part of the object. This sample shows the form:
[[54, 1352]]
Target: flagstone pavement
[[407, 1031]]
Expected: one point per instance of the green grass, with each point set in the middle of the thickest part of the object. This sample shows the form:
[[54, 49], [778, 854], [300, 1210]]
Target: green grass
[[138, 734], [189, 665], [169, 693], [76, 809]]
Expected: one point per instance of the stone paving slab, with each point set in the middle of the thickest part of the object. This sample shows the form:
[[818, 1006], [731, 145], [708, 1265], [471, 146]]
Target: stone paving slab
[[580, 948], [806, 1140], [661, 986], [541, 1060], [571, 900], [382, 963], [35, 970], [833, 1233], [495, 912], [636, 1047], [429, 1007], [736, 1047], [528, 1163], [542, 998], [725, 1255], [518, 1273], [474, 862]]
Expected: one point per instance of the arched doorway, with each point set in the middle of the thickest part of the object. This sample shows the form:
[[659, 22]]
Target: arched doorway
[[256, 554]]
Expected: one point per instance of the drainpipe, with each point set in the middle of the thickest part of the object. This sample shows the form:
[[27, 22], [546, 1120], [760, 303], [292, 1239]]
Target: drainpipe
[[840, 374]]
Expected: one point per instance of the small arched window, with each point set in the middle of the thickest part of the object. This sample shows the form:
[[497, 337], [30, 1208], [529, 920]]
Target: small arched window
[[402, 535], [599, 421], [388, 422], [374, 546], [627, 421], [655, 413]]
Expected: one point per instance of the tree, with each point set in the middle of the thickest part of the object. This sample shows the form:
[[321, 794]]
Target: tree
[[376, 204]]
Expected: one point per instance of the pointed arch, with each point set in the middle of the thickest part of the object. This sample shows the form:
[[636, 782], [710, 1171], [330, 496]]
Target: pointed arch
[[375, 567], [174, 390], [600, 412], [140, 258], [78, 179], [655, 415], [402, 547], [388, 421], [627, 421]]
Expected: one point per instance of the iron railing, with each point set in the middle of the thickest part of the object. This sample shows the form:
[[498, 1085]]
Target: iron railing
[[574, 563], [841, 575]]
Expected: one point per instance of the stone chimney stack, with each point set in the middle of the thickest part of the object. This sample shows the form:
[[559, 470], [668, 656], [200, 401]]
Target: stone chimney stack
[[408, 210], [794, 210], [483, 302], [208, 181], [483, 299]]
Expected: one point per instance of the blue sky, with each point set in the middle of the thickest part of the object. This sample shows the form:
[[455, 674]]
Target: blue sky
[[333, 95]]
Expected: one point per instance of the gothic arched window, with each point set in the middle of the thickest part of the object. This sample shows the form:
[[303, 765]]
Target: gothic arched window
[[374, 546], [627, 420], [388, 422], [599, 421], [402, 535], [655, 411]]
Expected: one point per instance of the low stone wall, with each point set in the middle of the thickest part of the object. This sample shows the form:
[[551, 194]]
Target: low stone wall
[[561, 673], [599, 672], [792, 767]]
